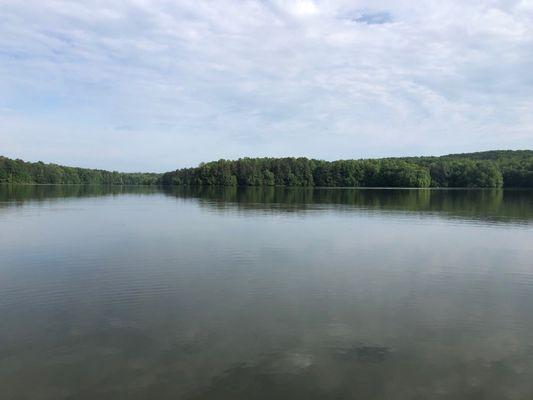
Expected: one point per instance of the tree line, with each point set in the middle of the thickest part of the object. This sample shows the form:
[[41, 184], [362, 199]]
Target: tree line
[[484, 169], [18, 171]]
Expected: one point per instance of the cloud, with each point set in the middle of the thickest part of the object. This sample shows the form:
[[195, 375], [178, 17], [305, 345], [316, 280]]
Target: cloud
[[303, 8], [158, 84], [373, 18]]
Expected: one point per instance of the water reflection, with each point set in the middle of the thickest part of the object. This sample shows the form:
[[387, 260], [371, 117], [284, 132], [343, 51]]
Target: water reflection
[[489, 205], [17, 194], [228, 293]]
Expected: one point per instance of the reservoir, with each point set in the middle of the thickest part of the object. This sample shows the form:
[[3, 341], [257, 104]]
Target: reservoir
[[111, 292]]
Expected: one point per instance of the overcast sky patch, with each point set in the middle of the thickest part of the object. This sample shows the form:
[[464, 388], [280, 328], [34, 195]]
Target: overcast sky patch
[[156, 85], [374, 18]]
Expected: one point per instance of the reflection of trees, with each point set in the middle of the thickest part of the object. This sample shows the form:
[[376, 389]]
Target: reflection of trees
[[486, 204], [22, 193], [481, 204]]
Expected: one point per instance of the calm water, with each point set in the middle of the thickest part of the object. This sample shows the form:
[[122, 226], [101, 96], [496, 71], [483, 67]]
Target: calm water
[[142, 293]]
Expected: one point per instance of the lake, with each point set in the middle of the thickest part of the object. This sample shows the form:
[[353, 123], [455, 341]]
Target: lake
[[265, 293]]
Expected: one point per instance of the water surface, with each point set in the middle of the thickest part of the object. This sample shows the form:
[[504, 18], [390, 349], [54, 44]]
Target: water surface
[[188, 293]]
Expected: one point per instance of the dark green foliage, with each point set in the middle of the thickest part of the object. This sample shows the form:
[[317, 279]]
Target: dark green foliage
[[18, 171], [465, 173], [485, 169]]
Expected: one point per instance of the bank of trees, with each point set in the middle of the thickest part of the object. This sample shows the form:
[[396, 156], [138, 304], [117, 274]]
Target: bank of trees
[[483, 169], [302, 172], [486, 169], [18, 171]]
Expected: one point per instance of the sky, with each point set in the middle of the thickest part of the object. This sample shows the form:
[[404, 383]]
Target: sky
[[138, 85]]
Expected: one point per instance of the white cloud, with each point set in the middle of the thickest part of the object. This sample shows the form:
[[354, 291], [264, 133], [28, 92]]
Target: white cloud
[[198, 80], [303, 8]]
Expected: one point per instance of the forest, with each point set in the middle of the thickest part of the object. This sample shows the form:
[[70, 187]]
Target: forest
[[499, 168], [18, 171], [505, 168]]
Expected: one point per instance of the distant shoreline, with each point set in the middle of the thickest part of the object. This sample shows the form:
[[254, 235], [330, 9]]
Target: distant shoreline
[[489, 169], [275, 186]]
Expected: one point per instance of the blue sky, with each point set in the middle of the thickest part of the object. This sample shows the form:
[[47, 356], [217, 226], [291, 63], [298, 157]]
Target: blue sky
[[155, 85]]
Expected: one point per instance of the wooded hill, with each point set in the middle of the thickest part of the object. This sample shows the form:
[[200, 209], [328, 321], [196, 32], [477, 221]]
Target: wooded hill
[[483, 169]]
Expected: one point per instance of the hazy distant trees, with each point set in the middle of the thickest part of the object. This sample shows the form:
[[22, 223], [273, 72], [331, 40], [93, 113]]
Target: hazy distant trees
[[18, 171]]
